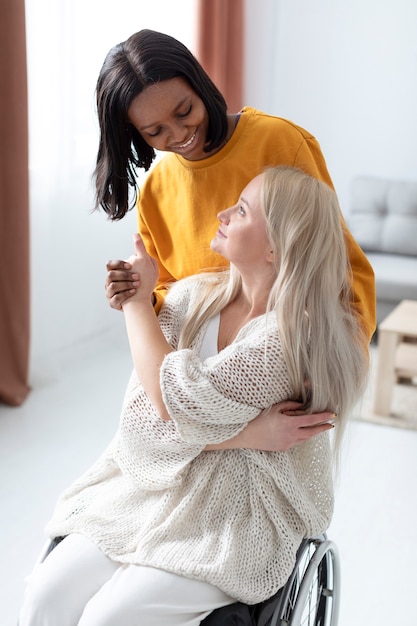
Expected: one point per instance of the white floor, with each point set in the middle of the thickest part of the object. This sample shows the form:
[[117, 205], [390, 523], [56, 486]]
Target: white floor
[[73, 411]]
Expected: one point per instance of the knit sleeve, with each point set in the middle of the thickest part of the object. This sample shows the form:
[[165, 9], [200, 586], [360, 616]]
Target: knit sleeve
[[212, 401]]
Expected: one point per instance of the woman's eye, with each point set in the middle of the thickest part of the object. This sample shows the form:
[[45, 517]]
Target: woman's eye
[[155, 134], [187, 112], [241, 211]]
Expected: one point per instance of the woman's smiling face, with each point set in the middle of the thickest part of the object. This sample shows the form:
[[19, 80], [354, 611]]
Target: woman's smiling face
[[241, 237], [171, 117]]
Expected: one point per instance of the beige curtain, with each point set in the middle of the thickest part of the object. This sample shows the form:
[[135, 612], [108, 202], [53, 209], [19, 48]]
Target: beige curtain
[[220, 47], [14, 206]]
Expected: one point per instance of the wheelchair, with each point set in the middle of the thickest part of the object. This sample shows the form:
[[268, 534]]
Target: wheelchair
[[310, 597]]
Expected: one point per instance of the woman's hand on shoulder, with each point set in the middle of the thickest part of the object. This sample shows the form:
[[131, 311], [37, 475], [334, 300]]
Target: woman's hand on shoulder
[[284, 426], [278, 429]]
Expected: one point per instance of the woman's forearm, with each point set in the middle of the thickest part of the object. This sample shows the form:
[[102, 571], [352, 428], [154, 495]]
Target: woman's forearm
[[278, 428], [148, 347], [242, 440]]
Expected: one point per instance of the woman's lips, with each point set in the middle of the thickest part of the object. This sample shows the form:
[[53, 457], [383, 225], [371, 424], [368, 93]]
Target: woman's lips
[[185, 145], [189, 142]]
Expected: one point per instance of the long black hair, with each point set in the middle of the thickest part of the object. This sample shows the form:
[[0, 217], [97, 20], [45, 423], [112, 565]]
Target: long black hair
[[145, 58]]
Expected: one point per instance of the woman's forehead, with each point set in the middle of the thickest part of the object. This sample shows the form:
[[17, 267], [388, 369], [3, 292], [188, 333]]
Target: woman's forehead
[[158, 100]]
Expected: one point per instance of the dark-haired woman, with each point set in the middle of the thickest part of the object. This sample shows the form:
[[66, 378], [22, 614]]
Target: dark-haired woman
[[153, 95]]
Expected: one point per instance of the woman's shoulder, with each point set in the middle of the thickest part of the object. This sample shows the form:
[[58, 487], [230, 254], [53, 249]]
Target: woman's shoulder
[[181, 293], [261, 336], [180, 289], [255, 117]]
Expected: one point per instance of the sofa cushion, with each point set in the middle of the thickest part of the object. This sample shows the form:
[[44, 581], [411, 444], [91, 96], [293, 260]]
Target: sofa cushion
[[383, 215], [395, 276]]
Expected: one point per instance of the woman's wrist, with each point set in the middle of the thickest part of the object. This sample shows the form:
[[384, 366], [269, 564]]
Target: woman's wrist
[[241, 440], [140, 303]]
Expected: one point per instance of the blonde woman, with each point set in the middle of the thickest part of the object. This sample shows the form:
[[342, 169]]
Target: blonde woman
[[181, 515]]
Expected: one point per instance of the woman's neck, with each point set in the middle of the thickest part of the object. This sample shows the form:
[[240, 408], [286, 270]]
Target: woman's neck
[[232, 120], [251, 302]]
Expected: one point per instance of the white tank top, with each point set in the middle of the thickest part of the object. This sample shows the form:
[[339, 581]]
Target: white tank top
[[209, 345]]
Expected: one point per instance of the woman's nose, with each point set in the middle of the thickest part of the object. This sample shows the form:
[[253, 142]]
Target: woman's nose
[[178, 134], [224, 216]]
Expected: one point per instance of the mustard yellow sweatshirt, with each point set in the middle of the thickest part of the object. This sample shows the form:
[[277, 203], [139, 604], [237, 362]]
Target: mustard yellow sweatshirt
[[180, 199]]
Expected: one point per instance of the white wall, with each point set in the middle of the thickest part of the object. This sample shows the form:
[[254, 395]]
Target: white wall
[[346, 71], [67, 43]]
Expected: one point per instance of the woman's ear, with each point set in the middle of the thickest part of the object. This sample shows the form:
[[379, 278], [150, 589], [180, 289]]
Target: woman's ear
[[270, 257]]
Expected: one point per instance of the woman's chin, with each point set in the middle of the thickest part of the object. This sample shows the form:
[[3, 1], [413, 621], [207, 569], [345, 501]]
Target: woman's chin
[[215, 246]]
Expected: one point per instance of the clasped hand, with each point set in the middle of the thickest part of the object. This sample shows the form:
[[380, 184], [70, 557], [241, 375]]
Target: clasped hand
[[137, 276]]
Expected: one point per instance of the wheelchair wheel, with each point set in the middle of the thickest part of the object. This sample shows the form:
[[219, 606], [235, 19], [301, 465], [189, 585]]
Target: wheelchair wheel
[[311, 595]]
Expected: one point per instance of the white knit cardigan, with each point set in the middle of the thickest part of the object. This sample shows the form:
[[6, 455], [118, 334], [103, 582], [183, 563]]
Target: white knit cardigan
[[233, 518]]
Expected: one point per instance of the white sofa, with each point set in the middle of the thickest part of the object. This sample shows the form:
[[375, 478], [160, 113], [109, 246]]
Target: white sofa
[[383, 220]]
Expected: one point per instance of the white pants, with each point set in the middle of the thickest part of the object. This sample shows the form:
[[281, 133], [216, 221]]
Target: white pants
[[77, 585]]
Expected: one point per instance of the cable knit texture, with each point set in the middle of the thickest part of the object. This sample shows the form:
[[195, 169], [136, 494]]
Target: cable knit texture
[[233, 518]]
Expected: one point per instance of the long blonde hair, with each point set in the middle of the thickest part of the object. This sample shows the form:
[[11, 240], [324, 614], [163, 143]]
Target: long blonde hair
[[323, 343]]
